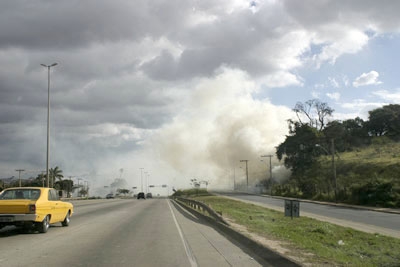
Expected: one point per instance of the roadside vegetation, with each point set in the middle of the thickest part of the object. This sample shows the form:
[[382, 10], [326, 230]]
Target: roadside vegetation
[[364, 154], [308, 240]]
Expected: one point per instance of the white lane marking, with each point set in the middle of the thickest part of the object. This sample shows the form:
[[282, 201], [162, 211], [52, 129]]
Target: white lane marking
[[188, 251]]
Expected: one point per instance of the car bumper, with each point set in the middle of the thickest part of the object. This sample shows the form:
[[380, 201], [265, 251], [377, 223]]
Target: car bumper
[[9, 218]]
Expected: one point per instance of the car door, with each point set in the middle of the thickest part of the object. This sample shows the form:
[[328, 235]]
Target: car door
[[56, 207]]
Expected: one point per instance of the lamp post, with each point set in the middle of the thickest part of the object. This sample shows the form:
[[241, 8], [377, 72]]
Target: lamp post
[[270, 169], [48, 119], [333, 164], [79, 194], [19, 175], [247, 174], [141, 176]]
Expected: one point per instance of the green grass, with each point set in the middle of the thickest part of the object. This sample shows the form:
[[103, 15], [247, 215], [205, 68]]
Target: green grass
[[307, 235]]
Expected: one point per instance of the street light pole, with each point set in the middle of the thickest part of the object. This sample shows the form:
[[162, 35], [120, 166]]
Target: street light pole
[[19, 175], [48, 120], [270, 169], [247, 173], [333, 164], [141, 176]]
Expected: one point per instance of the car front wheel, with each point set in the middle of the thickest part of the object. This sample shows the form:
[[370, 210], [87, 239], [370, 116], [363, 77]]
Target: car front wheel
[[44, 225]]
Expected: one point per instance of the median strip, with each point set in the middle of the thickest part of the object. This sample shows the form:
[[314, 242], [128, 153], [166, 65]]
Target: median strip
[[306, 240]]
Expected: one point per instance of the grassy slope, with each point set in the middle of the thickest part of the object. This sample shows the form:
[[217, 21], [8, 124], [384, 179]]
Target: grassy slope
[[375, 161], [319, 243]]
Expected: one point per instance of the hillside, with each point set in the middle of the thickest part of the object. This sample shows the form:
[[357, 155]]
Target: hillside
[[369, 175]]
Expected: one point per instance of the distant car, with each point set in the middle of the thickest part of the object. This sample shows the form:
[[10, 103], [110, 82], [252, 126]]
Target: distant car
[[141, 195], [33, 208], [149, 195], [109, 196]]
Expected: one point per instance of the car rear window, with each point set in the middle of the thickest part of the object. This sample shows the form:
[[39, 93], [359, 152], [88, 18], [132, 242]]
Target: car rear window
[[31, 194]]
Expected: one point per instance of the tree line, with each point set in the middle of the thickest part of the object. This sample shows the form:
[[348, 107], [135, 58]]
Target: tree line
[[55, 181], [312, 135]]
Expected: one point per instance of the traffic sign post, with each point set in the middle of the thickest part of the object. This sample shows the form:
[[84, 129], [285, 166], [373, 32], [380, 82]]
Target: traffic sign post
[[292, 208]]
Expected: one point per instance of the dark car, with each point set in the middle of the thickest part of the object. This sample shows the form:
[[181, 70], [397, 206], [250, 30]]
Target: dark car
[[141, 195], [109, 196], [149, 195]]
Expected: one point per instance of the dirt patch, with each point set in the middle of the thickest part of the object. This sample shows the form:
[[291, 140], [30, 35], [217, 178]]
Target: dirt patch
[[281, 247]]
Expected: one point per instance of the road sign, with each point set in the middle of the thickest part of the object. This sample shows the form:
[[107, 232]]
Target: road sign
[[292, 208]]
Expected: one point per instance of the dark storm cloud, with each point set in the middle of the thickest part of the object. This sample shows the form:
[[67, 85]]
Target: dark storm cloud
[[232, 42], [358, 13], [64, 24]]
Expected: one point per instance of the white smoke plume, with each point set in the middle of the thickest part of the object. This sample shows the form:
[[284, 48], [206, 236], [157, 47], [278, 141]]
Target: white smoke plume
[[219, 125]]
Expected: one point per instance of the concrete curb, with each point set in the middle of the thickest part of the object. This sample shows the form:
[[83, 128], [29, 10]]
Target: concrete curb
[[272, 257], [385, 210]]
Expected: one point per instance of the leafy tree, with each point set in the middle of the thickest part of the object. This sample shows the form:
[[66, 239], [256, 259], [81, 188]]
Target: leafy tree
[[356, 132], [385, 121], [298, 149], [347, 134], [123, 191], [83, 192], [65, 184], [55, 173]]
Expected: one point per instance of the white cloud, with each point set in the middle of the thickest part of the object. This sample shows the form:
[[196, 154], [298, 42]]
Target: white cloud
[[370, 78], [334, 96], [333, 82], [359, 108], [315, 94], [389, 96], [345, 80], [338, 40], [281, 79]]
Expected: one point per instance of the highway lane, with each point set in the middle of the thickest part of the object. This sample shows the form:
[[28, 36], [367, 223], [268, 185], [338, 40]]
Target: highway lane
[[364, 220], [152, 232]]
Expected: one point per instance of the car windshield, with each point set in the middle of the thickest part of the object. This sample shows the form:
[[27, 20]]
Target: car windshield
[[31, 194]]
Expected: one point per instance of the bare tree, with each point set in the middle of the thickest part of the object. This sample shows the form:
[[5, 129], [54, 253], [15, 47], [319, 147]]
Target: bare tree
[[313, 113]]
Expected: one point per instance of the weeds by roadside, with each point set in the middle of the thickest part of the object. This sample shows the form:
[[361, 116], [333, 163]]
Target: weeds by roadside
[[319, 243]]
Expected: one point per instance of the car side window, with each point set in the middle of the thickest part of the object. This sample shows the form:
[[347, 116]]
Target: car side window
[[53, 195]]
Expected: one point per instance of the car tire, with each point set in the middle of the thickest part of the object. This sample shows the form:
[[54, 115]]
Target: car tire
[[66, 220], [44, 225]]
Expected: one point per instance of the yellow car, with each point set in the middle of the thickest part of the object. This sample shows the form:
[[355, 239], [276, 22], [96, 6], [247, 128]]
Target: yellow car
[[33, 208]]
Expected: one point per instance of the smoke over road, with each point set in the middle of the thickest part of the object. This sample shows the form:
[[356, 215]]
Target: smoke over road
[[221, 124]]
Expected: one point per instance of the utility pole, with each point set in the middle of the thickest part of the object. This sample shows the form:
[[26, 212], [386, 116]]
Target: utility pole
[[247, 173], [43, 178], [234, 179], [19, 175], [141, 176], [334, 166], [70, 186], [270, 170], [48, 120]]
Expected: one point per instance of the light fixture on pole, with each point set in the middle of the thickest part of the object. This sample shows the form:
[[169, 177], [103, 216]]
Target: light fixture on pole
[[48, 119]]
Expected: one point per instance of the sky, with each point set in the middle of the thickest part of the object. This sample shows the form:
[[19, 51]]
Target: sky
[[183, 89]]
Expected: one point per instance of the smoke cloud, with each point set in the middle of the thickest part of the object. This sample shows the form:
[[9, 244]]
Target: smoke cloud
[[220, 124]]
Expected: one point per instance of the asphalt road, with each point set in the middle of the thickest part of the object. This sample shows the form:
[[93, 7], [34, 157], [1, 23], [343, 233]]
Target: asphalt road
[[117, 232], [364, 220]]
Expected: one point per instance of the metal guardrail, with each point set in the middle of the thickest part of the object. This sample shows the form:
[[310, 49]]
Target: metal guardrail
[[202, 207]]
